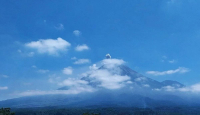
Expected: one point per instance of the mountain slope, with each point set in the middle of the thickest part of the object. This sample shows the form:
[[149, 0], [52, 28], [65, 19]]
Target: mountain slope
[[138, 93]]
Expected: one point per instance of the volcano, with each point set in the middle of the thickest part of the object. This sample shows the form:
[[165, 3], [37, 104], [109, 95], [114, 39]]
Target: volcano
[[111, 84]]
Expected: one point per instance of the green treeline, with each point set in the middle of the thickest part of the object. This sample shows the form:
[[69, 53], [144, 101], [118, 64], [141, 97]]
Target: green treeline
[[6, 111], [109, 111]]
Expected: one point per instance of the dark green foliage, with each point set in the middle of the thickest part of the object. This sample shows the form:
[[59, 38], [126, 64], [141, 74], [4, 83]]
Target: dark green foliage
[[91, 113], [6, 111], [110, 111]]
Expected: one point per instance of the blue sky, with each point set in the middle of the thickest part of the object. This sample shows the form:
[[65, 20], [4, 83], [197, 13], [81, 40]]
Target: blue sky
[[40, 40]]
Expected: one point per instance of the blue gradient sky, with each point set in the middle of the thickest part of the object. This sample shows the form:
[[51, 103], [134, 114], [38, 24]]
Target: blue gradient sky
[[149, 35]]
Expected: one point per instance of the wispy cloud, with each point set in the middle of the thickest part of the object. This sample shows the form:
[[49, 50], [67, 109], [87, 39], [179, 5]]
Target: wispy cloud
[[43, 71], [4, 76], [49, 46], [168, 72], [59, 27], [82, 61], [76, 90], [30, 54], [73, 58], [172, 61], [33, 66], [82, 47], [4, 88], [77, 33], [195, 88], [68, 70], [192, 88], [73, 82], [19, 51]]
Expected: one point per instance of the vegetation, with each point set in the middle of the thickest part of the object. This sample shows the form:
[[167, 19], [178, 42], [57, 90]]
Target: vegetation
[[6, 111], [109, 111]]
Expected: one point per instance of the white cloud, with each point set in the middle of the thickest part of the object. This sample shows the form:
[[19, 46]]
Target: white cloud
[[140, 79], [168, 88], [168, 72], [73, 82], [82, 61], [33, 66], [146, 85], [68, 70], [171, 1], [103, 78], [193, 88], [4, 76], [3, 88], [77, 33], [19, 51], [31, 54], [164, 57], [54, 78], [76, 90], [59, 27], [73, 58], [109, 78], [93, 67], [43, 71], [82, 47], [49, 46], [171, 61], [111, 63]]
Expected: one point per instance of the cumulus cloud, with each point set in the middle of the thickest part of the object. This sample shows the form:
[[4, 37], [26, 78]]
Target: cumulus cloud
[[82, 47], [3, 88], [43, 71], [82, 61], [49, 46], [168, 72], [77, 33], [59, 27], [68, 70]]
